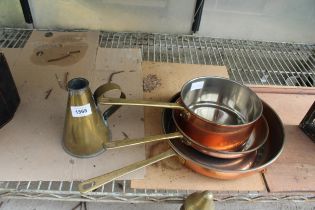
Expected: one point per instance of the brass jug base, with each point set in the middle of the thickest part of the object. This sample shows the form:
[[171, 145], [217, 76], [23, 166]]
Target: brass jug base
[[109, 137], [82, 156]]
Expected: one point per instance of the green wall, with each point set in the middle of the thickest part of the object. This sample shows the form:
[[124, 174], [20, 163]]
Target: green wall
[[11, 14]]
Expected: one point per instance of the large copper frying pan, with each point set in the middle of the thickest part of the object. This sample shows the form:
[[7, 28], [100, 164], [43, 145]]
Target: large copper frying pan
[[203, 164]]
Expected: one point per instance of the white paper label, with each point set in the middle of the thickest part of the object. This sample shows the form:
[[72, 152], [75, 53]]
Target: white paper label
[[81, 111], [197, 85]]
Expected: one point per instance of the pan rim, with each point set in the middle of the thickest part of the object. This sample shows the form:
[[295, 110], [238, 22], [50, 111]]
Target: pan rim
[[215, 123]]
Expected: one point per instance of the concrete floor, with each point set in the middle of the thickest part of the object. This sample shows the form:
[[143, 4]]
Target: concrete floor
[[9, 204]]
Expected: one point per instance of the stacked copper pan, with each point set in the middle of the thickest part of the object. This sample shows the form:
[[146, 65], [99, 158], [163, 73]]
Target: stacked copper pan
[[259, 151], [220, 128], [227, 132]]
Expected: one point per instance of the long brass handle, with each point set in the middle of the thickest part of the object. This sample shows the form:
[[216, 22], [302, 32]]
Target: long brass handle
[[132, 102], [131, 142], [94, 183]]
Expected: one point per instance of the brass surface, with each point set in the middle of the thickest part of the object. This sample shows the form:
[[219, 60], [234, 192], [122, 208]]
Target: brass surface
[[199, 201], [231, 168], [132, 102], [129, 142], [83, 136], [94, 183], [88, 135]]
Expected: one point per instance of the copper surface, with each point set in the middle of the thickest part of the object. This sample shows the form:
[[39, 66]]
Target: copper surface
[[257, 138], [203, 164], [235, 168], [211, 135]]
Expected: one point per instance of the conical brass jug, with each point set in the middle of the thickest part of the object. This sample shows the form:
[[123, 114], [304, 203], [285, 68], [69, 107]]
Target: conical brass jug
[[85, 130], [86, 133]]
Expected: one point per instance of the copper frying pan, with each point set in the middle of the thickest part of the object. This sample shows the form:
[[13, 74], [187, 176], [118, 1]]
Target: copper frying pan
[[203, 164]]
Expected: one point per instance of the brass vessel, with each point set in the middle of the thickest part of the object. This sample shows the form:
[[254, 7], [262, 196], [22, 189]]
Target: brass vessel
[[85, 130], [199, 201], [86, 133]]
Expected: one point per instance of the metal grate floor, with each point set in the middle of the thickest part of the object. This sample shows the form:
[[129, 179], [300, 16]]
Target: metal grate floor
[[14, 38], [249, 62]]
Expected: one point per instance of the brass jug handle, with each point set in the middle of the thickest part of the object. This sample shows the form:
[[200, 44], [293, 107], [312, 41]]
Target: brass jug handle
[[99, 93]]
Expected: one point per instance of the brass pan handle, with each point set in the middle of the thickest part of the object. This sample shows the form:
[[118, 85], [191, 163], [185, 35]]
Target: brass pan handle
[[94, 183], [132, 102], [131, 142]]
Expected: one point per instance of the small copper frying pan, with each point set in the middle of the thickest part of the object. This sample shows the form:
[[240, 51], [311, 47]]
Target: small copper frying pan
[[203, 164]]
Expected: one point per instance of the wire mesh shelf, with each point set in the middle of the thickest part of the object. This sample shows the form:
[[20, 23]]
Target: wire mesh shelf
[[249, 62], [120, 191], [14, 38]]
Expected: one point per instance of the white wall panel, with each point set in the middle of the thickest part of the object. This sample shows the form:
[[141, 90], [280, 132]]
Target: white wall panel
[[169, 16], [11, 14], [271, 20]]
